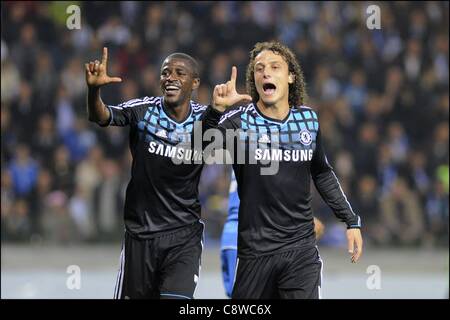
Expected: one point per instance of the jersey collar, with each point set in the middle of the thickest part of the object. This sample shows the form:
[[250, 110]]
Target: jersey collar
[[173, 120], [273, 120]]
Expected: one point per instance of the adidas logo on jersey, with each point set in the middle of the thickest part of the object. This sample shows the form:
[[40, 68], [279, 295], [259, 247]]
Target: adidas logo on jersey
[[174, 136], [162, 133], [264, 139]]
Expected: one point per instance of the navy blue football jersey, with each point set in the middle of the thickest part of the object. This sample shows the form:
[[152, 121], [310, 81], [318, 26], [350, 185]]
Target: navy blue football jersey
[[163, 191], [274, 175]]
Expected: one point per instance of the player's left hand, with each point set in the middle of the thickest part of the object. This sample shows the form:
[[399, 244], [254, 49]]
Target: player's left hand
[[319, 228], [355, 243]]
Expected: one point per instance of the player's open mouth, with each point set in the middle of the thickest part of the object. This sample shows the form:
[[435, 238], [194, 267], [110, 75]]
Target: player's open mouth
[[171, 89], [269, 88]]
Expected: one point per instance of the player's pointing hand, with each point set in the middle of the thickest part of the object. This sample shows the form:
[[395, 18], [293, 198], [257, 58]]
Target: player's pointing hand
[[225, 95], [96, 75]]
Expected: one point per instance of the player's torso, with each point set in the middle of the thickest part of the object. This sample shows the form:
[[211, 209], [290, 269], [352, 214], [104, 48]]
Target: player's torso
[[163, 190], [274, 185], [278, 154], [163, 147]]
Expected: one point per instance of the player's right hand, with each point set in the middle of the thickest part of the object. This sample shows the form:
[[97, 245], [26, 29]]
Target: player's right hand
[[225, 95], [96, 75]]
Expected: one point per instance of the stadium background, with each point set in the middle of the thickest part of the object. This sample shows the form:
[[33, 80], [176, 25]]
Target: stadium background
[[382, 97]]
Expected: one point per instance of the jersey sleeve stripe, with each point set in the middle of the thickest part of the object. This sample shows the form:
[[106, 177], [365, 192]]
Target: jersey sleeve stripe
[[230, 114], [136, 102]]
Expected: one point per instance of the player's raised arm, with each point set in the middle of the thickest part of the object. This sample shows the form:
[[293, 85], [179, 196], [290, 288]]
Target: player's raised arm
[[225, 95], [96, 76]]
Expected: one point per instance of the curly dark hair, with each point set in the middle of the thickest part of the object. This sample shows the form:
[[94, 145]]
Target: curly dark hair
[[297, 89]]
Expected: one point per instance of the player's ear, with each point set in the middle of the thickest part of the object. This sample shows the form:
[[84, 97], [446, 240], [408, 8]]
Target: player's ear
[[291, 78], [196, 83]]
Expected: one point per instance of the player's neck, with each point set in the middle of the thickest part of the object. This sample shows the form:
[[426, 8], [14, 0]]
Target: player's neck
[[277, 111], [179, 113]]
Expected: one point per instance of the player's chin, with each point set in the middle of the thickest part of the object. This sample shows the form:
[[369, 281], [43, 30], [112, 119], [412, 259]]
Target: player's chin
[[172, 98], [268, 100]]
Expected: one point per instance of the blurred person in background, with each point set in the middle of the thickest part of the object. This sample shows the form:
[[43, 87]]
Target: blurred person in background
[[87, 178], [368, 141], [367, 202], [7, 202], [45, 141], [437, 218], [24, 109], [24, 171], [213, 197], [107, 202], [63, 171], [401, 216], [10, 79], [417, 173], [17, 221], [9, 137], [80, 212], [57, 223], [25, 51], [44, 80], [38, 203]]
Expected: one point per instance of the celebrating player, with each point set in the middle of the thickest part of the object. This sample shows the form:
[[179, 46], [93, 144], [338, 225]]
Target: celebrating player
[[277, 252], [162, 246]]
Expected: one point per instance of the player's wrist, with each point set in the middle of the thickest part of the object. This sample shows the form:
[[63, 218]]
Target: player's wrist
[[353, 222], [93, 89], [219, 108]]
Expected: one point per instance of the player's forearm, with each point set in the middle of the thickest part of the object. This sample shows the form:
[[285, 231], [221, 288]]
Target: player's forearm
[[97, 111], [211, 118], [329, 188]]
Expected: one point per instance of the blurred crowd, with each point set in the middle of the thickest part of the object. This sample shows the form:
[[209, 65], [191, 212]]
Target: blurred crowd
[[382, 97]]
